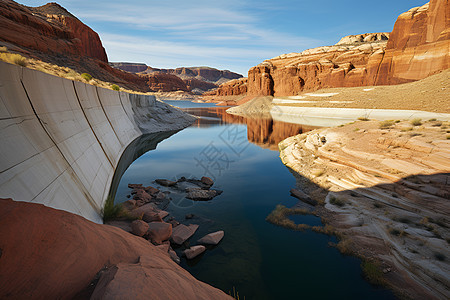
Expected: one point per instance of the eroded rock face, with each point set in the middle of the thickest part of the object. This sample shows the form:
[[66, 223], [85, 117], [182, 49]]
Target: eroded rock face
[[419, 45], [48, 28], [37, 242], [231, 88]]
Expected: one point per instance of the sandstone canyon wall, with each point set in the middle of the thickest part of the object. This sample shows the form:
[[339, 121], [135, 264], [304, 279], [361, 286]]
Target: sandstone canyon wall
[[62, 139], [418, 47]]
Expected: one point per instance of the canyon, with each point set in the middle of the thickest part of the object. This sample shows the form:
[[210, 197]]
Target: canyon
[[418, 47]]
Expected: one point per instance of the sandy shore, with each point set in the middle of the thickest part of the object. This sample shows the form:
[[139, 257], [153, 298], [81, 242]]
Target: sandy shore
[[385, 192]]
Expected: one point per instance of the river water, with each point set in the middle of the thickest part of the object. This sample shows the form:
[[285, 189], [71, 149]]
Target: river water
[[256, 259]]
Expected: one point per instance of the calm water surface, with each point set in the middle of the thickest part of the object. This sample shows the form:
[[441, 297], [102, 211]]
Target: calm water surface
[[258, 259]]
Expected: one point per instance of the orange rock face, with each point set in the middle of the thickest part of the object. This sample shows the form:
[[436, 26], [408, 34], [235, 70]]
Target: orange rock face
[[230, 88], [165, 82], [418, 47], [48, 29], [52, 254]]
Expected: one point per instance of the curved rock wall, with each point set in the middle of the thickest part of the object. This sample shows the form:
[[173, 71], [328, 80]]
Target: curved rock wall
[[62, 140]]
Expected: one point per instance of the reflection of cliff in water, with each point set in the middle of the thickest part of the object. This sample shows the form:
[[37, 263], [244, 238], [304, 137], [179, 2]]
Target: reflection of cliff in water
[[263, 132]]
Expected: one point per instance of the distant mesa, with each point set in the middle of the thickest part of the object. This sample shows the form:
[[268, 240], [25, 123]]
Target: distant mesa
[[196, 79]]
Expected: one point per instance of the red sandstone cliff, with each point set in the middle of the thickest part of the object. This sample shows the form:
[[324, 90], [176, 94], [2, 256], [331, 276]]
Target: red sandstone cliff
[[230, 88], [418, 47], [51, 254], [48, 28]]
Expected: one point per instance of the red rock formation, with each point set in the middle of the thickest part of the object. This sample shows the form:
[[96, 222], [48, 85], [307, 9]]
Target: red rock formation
[[48, 29], [165, 82], [418, 47], [193, 84], [230, 88], [52, 254]]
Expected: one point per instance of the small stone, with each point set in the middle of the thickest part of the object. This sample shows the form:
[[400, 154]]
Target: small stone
[[212, 238], [160, 196], [128, 196], [174, 256], [194, 251], [151, 190], [159, 231], [139, 227], [207, 180], [189, 216], [182, 232]]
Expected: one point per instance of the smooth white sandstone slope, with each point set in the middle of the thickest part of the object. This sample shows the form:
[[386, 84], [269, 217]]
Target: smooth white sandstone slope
[[61, 140]]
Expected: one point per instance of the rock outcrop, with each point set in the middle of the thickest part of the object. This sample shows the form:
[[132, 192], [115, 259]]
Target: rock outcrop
[[52, 254], [418, 47], [231, 88], [165, 82], [51, 34], [48, 28]]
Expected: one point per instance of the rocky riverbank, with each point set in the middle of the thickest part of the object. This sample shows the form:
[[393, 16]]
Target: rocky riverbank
[[52, 254], [383, 188], [144, 215]]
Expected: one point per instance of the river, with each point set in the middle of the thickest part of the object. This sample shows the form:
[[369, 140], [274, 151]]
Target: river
[[256, 259]]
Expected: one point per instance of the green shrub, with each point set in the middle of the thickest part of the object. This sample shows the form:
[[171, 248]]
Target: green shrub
[[386, 124], [372, 272], [20, 60], [363, 119], [416, 122], [336, 201], [86, 76], [115, 87], [3, 49], [111, 211]]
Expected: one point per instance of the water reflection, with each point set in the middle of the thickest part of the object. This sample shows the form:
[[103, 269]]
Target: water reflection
[[264, 132]]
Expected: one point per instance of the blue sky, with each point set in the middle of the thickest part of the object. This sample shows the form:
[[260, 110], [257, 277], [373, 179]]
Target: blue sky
[[233, 35]]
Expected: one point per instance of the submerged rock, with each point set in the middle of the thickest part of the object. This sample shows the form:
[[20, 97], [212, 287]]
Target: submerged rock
[[134, 186], [202, 195], [139, 227], [303, 197], [182, 232], [165, 182], [194, 251], [212, 239]]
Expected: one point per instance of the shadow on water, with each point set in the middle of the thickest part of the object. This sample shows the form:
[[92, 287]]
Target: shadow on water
[[258, 259]]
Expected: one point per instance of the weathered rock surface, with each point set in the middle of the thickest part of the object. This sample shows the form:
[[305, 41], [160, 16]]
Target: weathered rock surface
[[143, 280], [159, 231], [230, 88], [55, 254], [212, 238], [194, 251], [181, 233], [48, 28], [139, 227], [419, 45], [173, 255], [383, 187]]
